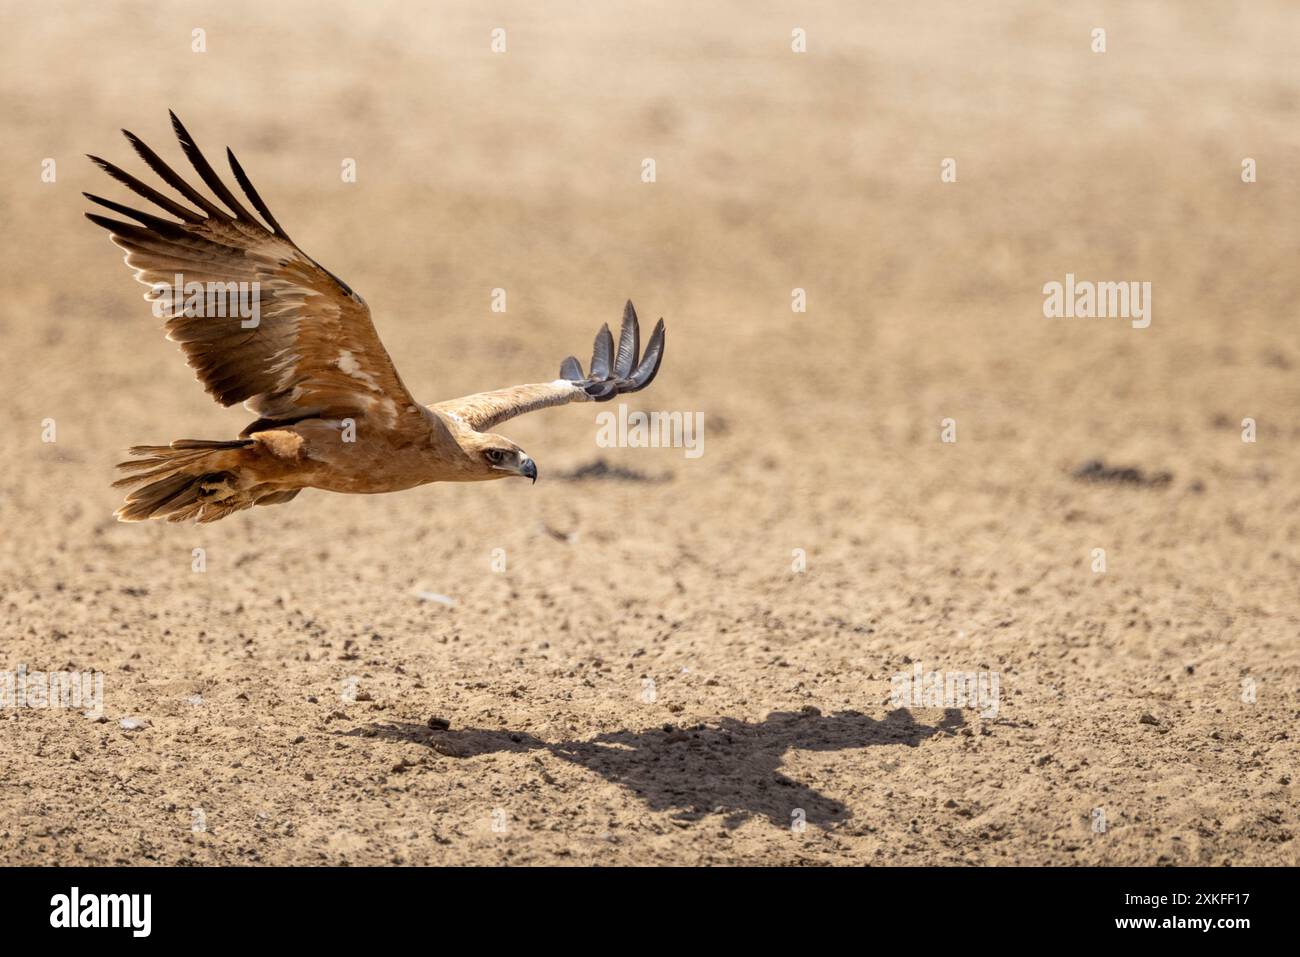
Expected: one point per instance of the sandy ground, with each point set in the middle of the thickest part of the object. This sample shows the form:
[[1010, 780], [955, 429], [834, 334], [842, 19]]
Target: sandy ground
[[652, 678]]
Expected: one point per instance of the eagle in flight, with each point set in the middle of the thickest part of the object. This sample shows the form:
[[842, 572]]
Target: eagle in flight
[[332, 412]]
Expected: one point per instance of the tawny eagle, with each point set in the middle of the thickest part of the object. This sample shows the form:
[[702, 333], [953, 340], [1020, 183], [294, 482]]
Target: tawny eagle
[[304, 356]]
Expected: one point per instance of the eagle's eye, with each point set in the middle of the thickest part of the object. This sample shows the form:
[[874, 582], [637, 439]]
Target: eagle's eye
[[495, 456]]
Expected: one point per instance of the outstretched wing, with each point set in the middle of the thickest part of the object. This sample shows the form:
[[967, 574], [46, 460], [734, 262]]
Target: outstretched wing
[[611, 374], [266, 324]]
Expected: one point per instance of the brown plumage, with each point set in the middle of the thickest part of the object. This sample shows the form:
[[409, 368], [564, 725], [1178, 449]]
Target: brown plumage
[[301, 352]]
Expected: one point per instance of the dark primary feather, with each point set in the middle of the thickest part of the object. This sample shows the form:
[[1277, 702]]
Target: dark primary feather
[[650, 362], [148, 192], [242, 178], [173, 179], [156, 223], [602, 353], [628, 342], [205, 171], [571, 369]]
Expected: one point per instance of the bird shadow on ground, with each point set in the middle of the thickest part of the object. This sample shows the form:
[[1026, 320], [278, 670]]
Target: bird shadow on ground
[[730, 766]]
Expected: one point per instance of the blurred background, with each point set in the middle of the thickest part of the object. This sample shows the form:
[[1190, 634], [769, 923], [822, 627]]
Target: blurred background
[[775, 170]]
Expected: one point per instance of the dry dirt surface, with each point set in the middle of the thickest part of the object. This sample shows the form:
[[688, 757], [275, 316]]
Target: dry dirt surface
[[683, 660]]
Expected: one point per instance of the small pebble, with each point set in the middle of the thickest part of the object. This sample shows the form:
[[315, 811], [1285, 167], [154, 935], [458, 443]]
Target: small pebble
[[433, 596]]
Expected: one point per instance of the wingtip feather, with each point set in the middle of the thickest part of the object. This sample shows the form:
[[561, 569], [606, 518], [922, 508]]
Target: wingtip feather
[[629, 343], [602, 353], [650, 362], [571, 369]]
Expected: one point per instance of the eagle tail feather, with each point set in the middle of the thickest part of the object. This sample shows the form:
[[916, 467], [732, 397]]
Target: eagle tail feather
[[193, 479]]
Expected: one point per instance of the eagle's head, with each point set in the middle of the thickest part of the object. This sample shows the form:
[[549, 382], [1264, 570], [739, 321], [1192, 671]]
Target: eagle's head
[[490, 456]]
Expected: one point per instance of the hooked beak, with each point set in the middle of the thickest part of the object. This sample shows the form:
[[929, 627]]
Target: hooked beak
[[528, 469]]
